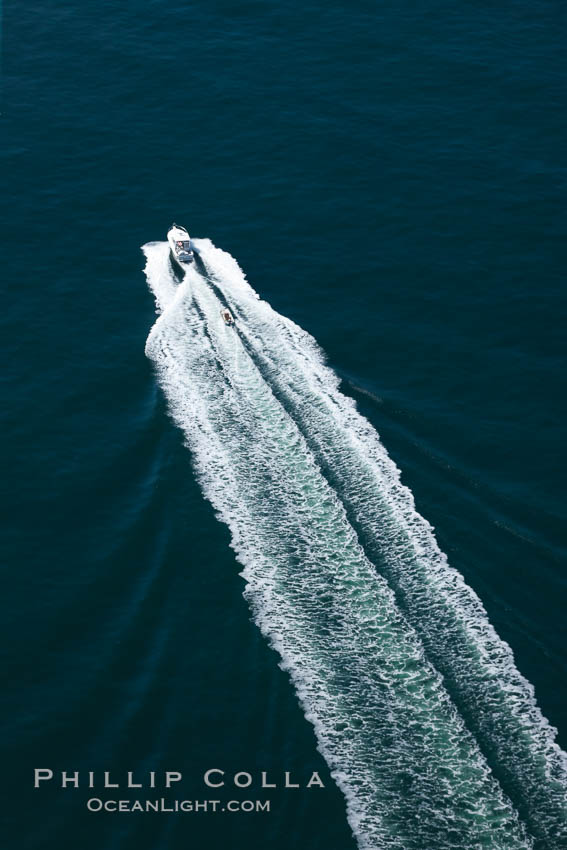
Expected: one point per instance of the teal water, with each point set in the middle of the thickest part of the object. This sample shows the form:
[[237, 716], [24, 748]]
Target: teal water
[[211, 558]]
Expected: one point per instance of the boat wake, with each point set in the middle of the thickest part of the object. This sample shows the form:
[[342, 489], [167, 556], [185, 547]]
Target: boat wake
[[428, 728]]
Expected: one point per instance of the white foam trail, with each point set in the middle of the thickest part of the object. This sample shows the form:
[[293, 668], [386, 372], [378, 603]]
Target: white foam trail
[[411, 772]]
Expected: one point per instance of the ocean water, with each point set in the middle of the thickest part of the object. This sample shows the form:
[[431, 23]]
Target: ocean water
[[331, 538]]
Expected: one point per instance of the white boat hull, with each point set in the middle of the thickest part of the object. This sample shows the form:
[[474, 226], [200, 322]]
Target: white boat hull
[[180, 245]]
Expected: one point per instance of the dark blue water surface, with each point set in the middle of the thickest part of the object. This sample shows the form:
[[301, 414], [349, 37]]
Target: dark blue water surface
[[388, 178]]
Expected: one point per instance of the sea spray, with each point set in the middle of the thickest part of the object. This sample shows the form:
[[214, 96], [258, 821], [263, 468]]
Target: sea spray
[[412, 773]]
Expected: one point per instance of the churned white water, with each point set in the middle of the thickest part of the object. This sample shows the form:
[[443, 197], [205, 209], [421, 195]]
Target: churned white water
[[430, 731]]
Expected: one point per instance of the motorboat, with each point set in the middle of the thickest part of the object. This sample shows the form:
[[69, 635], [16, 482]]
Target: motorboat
[[227, 317], [180, 245]]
